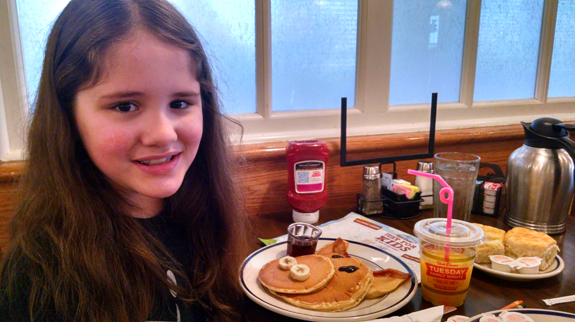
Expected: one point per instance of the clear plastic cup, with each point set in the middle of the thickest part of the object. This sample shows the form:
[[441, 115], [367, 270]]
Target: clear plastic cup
[[447, 259], [302, 239], [460, 171]]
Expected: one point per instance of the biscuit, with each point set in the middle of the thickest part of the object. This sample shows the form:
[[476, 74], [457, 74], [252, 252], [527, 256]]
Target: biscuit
[[493, 244], [524, 242]]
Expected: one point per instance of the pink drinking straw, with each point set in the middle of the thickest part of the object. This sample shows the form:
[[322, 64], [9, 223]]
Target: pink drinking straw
[[446, 190]]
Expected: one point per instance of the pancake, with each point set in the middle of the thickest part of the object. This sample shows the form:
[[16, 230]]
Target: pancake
[[386, 281], [339, 246], [345, 290], [275, 279]]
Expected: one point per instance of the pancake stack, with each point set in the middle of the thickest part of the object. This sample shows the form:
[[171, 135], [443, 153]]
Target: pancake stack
[[341, 290]]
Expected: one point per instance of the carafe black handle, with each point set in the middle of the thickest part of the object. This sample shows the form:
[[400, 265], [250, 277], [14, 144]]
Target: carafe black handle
[[558, 127], [564, 141]]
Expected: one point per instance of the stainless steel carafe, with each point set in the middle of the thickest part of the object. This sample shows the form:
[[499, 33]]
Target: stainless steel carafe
[[541, 177]]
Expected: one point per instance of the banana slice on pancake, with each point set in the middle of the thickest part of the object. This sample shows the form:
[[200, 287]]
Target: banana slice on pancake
[[321, 271], [287, 262], [346, 289]]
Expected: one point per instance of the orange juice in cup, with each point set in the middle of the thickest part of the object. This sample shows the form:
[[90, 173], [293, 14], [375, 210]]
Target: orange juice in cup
[[446, 257]]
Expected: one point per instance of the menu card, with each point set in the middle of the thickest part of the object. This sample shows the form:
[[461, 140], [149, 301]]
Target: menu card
[[355, 227]]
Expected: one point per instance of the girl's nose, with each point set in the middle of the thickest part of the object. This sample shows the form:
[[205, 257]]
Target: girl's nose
[[158, 130]]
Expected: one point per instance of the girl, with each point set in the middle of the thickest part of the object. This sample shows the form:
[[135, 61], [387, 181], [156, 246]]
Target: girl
[[127, 208]]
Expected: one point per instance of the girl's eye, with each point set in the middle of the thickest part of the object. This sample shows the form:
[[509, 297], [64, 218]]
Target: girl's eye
[[178, 105], [125, 107]]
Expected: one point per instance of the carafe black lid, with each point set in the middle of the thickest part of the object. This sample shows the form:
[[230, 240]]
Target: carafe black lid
[[545, 126], [549, 133]]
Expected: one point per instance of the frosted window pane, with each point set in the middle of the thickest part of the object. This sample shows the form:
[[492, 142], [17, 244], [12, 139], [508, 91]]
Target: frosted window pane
[[228, 34], [313, 53], [427, 50], [36, 18], [508, 48], [562, 80]]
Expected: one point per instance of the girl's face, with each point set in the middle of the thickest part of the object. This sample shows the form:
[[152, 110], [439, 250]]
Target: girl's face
[[141, 124]]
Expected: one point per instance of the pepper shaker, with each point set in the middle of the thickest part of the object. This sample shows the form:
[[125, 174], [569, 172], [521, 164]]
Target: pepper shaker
[[425, 184], [370, 191]]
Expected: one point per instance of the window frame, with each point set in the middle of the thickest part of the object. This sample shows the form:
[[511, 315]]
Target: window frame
[[371, 113], [14, 104]]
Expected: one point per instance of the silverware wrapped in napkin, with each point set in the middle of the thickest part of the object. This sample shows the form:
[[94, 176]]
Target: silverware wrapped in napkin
[[557, 300], [433, 314]]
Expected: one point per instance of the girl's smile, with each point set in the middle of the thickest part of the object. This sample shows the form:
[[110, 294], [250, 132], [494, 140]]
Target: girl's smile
[[158, 165], [141, 123]]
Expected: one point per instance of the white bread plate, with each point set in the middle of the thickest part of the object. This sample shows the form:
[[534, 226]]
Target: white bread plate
[[555, 268], [538, 315]]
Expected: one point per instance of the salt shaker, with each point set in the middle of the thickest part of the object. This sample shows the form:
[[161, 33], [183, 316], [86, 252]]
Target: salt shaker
[[370, 192], [425, 184]]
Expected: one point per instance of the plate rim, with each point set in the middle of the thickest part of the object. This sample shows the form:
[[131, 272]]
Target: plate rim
[[524, 311], [286, 312], [559, 266]]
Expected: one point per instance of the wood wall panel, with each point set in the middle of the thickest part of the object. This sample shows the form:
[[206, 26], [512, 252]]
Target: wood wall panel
[[9, 174], [262, 169]]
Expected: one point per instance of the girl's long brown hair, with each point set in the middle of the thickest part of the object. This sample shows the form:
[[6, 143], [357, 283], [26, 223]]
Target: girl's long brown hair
[[73, 238]]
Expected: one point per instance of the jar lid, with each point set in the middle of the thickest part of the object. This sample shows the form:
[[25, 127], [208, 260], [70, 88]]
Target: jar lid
[[425, 166], [371, 172], [463, 234]]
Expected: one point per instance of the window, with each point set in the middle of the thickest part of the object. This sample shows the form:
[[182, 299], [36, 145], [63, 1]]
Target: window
[[508, 48], [313, 46], [562, 80], [282, 66], [427, 51]]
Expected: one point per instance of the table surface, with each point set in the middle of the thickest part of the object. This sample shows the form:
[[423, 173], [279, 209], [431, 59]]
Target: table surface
[[486, 292]]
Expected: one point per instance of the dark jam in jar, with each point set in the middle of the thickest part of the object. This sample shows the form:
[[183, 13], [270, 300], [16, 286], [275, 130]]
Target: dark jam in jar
[[300, 250]]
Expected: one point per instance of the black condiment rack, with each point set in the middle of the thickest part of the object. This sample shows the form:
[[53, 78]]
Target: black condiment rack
[[394, 206]]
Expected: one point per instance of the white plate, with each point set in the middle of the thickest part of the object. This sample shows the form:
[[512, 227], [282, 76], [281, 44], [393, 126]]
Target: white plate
[[372, 257], [536, 314], [554, 269]]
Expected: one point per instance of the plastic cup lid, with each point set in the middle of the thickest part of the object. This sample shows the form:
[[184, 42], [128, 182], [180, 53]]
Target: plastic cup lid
[[463, 234]]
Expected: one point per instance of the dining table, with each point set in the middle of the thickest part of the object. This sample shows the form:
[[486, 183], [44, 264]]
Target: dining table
[[486, 291]]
